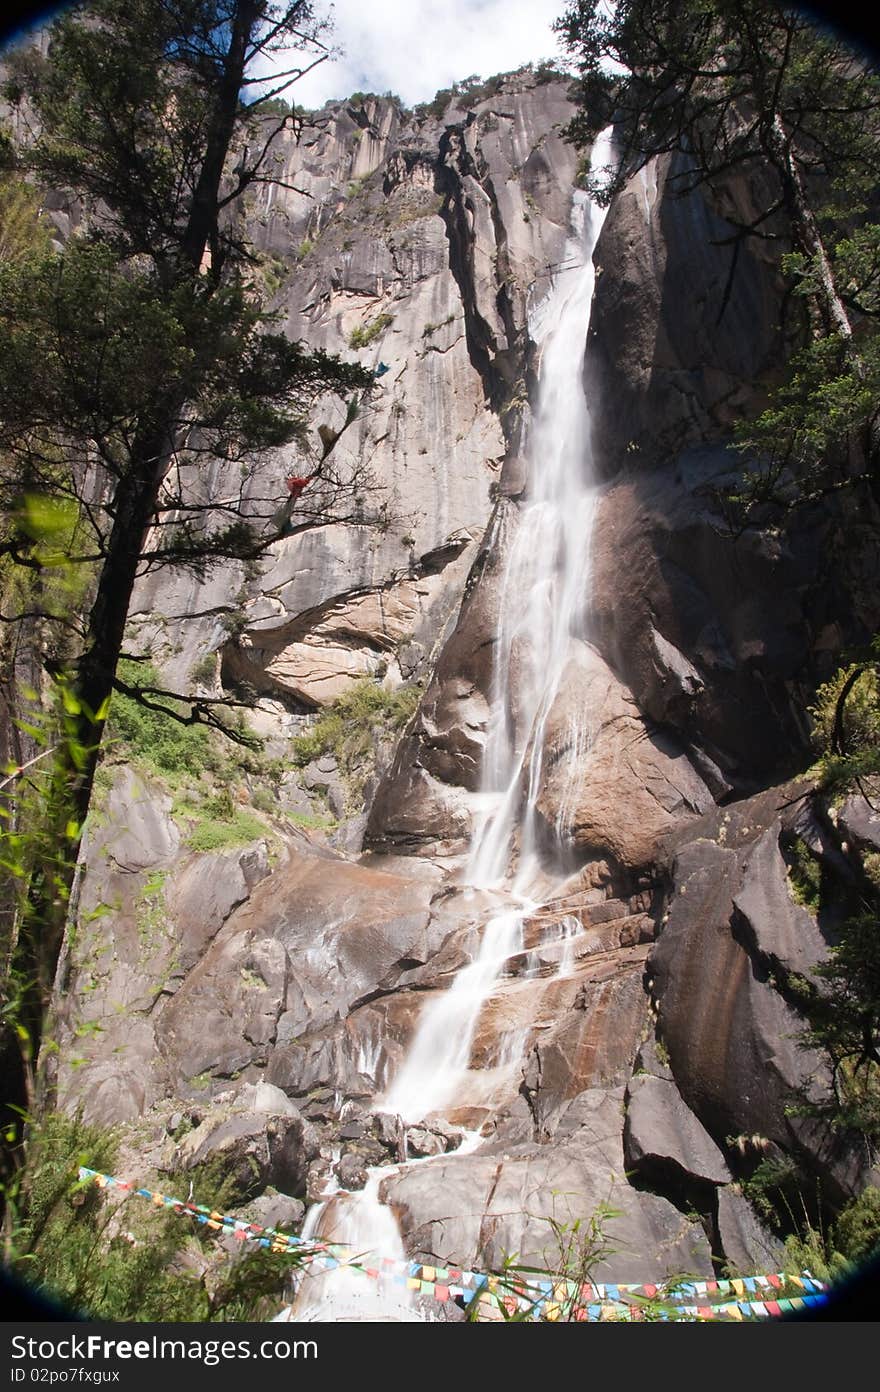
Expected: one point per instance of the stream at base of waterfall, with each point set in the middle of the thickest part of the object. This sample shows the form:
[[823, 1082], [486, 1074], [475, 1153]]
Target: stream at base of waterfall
[[543, 616]]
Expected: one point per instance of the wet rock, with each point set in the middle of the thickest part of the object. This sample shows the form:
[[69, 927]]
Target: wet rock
[[620, 795], [420, 1141], [352, 1131], [276, 1211], [351, 1171], [501, 1204], [322, 1104]]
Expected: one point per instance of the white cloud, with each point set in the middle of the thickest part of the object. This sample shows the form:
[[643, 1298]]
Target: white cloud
[[415, 47]]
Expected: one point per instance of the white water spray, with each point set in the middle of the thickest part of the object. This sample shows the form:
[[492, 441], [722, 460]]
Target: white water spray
[[441, 1049], [361, 1223], [545, 589], [543, 609]]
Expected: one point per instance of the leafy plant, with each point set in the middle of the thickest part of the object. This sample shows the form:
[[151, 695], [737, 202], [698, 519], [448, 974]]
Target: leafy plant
[[126, 1261], [365, 334], [350, 727], [151, 735]]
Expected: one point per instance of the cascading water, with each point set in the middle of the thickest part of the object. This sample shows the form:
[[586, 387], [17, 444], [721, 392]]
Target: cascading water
[[543, 612], [441, 1050], [544, 595], [360, 1223]]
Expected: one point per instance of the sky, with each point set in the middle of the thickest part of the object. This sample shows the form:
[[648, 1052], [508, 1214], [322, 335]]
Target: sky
[[415, 47]]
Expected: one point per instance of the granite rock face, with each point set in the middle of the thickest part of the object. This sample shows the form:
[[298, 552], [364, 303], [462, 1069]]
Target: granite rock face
[[720, 976], [646, 1033]]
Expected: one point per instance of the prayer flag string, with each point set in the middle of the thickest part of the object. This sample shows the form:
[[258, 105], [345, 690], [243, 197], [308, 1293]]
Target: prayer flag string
[[499, 1296]]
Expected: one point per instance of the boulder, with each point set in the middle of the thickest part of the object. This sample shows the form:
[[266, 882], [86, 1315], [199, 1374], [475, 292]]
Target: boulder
[[661, 1134], [351, 1171], [257, 1139], [732, 1037], [747, 1246], [780, 932], [859, 822], [523, 1202]]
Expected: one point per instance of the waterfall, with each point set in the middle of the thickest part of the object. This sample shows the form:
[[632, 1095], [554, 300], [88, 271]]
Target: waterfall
[[543, 609], [358, 1221], [441, 1049], [544, 592]]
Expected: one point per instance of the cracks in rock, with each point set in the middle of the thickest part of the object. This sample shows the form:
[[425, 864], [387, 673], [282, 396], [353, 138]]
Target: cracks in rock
[[530, 1092], [454, 162]]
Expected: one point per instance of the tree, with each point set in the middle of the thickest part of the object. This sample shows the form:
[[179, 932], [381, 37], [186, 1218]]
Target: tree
[[751, 86], [137, 352]]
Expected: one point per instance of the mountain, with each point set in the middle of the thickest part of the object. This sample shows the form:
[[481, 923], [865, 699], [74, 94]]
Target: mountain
[[627, 1032]]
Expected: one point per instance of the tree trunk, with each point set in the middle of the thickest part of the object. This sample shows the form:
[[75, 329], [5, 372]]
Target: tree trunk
[[806, 234]]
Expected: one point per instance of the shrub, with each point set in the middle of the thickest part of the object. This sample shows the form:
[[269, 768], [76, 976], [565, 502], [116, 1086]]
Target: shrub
[[68, 1243], [857, 1230], [153, 736], [365, 334], [346, 728], [204, 671], [65, 1248], [860, 714]]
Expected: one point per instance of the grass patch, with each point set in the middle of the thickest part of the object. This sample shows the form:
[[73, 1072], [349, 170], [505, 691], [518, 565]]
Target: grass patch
[[214, 834], [804, 876], [62, 1239], [347, 726], [310, 821]]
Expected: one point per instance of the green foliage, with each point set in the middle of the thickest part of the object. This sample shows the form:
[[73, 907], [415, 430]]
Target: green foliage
[[757, 88], [276, 106], [204, 671], [364, 334], [846, 716], [857, 1227], [676, 77], [23, 232], [347, 727], [130, 1262], [804, 876], [151, 736], [814, 1251], [351, 727], [844, 1022], [215, 834], [65, 1243], [773, 1187]]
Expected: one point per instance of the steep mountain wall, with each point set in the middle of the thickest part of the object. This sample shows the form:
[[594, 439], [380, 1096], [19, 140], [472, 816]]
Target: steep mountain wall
[[292, 965]]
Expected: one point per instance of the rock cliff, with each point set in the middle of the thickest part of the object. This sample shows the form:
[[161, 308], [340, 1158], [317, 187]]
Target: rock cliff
[[628, 1072]]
